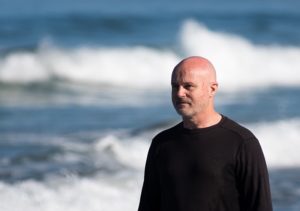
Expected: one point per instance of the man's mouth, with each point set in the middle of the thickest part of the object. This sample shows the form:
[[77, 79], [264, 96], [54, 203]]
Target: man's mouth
[[181, 103]]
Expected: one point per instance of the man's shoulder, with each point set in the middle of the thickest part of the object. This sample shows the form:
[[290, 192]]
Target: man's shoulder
[[168, 133], [163, 137], [238, 129]]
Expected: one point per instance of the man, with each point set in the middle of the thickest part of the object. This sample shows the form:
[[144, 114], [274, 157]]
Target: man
[[207, 162]]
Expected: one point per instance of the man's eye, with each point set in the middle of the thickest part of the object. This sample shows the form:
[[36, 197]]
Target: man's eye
[[188, 86]]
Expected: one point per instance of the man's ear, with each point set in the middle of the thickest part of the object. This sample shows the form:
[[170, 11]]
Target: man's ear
[[213, 88]]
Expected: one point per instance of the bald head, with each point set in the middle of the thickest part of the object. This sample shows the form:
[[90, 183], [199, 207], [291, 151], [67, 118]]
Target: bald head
[[201, 66], [194, 86]]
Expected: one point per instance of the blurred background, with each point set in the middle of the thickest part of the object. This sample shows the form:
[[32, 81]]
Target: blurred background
[[85, 85]]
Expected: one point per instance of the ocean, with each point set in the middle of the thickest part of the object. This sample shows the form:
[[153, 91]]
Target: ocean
[[85, 85]]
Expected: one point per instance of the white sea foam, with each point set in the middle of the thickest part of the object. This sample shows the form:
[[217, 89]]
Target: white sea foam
[[76, 194], [240, 63], [280, 142], [129, 152], [103, 192], [130, 67]]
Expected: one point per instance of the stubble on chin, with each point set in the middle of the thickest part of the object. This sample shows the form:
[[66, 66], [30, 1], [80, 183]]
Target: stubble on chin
[[184, 112]]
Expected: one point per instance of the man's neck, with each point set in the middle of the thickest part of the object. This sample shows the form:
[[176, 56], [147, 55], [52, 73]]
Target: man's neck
[[202, 121]]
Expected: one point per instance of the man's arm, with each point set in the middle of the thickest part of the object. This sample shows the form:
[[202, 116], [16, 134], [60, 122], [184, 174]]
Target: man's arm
[[253, 177], [150, 196]]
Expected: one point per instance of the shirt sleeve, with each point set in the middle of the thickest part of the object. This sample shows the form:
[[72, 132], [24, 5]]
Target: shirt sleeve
[[253, 178], [150, 196]]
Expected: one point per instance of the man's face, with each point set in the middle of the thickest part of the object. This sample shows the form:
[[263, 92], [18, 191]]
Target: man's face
[[190, 92]]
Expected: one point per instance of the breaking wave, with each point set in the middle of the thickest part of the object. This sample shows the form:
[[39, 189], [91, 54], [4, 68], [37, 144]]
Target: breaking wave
[[240, 64]]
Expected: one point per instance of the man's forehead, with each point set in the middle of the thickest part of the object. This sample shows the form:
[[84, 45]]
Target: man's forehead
[[186, 76], [186, 73]]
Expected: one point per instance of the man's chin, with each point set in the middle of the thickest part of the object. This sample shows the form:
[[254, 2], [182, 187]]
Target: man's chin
[[183, 112]]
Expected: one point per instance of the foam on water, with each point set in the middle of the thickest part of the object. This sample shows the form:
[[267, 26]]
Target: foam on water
[[280, 142], [240, 63], [130, 153], [107, 66], [71, 194], [118, 190]]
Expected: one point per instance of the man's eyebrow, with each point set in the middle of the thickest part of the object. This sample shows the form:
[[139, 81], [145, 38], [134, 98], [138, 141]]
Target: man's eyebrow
[[183, 84], [189, 83]]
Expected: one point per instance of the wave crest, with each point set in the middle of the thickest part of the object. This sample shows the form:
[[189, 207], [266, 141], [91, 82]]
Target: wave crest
[[240, 64]]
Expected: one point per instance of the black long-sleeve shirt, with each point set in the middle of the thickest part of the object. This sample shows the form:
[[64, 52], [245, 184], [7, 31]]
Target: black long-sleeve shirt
[[219, 168]]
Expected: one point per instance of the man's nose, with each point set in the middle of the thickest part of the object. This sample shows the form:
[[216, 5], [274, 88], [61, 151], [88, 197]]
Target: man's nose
[[180, 92]]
